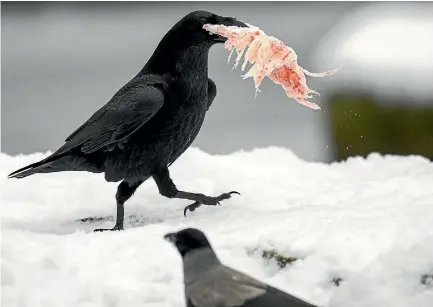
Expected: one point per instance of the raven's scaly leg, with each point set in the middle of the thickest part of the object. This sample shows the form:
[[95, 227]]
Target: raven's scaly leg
[[201, 199], [168, 189], [124, 192]]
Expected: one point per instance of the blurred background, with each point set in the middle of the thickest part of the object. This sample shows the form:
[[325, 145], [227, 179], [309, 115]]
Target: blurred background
[[61, 61]]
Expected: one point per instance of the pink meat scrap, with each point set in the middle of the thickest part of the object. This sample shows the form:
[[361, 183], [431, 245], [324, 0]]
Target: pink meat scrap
[[270, 58]]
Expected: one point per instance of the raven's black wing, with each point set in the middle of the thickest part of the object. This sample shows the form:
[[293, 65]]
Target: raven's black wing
[[129, 109]]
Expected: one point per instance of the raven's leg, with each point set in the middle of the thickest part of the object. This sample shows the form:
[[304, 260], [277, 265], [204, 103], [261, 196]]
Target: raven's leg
[[124, 192], [168, 189]]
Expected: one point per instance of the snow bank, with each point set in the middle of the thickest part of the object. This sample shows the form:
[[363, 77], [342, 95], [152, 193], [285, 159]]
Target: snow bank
[[367, 221]]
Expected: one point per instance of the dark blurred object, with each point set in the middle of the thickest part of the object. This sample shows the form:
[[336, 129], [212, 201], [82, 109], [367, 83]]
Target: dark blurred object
[[361, 124]]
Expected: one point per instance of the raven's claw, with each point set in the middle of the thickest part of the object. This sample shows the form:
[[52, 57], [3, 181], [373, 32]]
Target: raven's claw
[[115, 228], [208, 201], [191, 207]]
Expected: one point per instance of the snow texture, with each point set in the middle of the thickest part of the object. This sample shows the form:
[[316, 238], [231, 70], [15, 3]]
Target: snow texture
[[366, 221]]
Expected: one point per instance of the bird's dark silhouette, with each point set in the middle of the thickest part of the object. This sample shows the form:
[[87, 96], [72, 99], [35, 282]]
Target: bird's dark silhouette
[[209, 283], [150, 121]]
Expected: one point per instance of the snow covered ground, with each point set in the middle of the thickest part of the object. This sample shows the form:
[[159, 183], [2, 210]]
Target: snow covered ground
[[367, 221]]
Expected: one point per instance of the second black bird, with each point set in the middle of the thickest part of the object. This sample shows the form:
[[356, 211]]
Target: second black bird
[[209, 283], [150, 121]]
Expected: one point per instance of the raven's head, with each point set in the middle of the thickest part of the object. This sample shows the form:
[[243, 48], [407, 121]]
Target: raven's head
[[186, 43], [187, 240], [191, 27]]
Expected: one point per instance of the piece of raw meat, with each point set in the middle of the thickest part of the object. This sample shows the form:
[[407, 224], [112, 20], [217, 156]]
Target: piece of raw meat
[[270, 58]]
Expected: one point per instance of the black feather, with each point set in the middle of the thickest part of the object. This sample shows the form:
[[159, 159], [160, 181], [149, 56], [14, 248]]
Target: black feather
[[209, 283], [151, 120]]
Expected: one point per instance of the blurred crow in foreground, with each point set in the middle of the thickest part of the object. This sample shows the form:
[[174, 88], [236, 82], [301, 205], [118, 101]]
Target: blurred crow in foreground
[[150, 121], [209, 283]]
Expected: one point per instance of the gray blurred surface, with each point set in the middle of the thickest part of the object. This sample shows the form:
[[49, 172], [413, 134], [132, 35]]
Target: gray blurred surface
[[62, 61], [386, 51]]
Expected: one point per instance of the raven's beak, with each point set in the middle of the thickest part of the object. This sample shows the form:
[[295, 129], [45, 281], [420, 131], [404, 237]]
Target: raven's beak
[[171, 237], [227, 21]]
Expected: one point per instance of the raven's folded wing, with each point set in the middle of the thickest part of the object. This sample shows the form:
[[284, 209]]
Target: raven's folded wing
[[131, 107]]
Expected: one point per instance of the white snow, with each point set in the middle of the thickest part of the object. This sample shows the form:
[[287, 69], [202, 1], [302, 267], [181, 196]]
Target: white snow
[[368, 221]]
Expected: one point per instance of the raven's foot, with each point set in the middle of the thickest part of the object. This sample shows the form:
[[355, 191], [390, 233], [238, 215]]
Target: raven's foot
[[109, 229], [208, 201]]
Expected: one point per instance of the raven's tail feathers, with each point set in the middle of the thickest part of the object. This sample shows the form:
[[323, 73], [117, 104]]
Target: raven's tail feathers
[[38, 167]]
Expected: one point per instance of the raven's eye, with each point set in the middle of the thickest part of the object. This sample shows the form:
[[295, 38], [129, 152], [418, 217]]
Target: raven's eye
[[203, 20]]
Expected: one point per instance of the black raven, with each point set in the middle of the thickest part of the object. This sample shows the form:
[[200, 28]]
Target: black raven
[[150, 121], [209, 283]]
